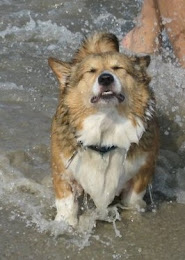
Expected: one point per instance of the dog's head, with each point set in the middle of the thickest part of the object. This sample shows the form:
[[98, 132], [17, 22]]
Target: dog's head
[[100, 77]]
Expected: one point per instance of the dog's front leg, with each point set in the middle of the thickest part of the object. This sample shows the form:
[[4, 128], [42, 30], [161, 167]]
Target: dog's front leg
[[67, 210], [66, 201]]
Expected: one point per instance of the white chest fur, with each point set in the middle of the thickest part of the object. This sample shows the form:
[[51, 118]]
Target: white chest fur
[[99, 176], [109, 128], [104, 177]]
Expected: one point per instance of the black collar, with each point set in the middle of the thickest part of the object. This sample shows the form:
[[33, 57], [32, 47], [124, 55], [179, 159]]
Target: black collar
[[101, 149]]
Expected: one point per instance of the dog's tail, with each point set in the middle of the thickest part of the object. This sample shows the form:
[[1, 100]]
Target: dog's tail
[[97, 43]]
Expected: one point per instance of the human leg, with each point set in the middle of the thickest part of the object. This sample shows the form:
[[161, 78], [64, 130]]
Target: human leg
[[173, 19], [144, 37]]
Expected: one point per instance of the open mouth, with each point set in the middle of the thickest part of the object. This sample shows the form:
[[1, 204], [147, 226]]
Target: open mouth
[[108, 96]]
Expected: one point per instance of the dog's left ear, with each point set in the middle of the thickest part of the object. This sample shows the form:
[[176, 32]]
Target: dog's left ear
[[61, 70], [142, 62]]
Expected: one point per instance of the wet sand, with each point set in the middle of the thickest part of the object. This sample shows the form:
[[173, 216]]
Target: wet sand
[[159, 235]]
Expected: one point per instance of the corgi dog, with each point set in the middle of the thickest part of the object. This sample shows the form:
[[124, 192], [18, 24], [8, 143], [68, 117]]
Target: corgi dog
[[105, 138]]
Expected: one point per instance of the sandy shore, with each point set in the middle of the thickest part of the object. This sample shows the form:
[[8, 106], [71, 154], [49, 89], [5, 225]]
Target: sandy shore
[[159, 235]]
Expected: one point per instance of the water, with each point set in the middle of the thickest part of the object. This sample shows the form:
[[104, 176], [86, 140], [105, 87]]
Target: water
[[30, 32]]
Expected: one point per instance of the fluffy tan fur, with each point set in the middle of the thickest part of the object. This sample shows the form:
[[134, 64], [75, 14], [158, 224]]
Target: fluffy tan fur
[[100, 53]]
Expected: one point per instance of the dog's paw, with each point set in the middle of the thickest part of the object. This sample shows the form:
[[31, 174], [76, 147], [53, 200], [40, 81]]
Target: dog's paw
[[67, 210], [69, 220], [135, 201], [139, 205]]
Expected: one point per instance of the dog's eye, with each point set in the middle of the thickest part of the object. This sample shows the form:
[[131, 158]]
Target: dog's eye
[[117, 68], [92, 70]]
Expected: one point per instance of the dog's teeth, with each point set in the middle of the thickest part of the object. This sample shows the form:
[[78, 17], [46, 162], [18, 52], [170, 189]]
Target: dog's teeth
[[107, 93]]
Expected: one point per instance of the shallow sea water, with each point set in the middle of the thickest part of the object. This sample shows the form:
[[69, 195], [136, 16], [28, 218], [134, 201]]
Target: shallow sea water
[[30, 32]]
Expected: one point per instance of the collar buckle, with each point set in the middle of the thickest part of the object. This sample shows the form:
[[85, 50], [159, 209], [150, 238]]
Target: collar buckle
[[102, 149]]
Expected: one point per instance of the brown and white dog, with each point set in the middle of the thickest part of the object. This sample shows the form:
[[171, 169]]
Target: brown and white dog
[[104, 132]]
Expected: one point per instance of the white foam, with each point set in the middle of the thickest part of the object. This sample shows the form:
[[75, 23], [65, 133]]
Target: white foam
[[10, 86], [42, 30], [34, 201]]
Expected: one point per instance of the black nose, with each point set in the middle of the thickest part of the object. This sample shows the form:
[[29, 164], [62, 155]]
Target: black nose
[[105, 79]]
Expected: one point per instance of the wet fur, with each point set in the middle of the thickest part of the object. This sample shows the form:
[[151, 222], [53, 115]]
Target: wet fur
[[98, 53]]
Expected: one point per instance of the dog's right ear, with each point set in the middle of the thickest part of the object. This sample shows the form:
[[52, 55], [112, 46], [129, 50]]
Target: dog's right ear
[[61, 70]]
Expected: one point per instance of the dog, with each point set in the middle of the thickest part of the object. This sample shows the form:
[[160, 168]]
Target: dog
[[105, 138]]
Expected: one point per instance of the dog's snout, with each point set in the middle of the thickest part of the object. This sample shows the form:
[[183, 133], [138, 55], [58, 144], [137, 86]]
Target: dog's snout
[[105, 79]]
